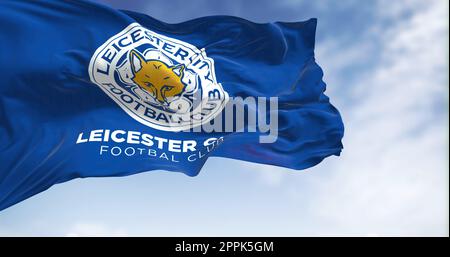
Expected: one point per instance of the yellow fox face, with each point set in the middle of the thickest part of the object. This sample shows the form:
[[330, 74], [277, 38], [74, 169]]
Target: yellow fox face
[[156, 77]]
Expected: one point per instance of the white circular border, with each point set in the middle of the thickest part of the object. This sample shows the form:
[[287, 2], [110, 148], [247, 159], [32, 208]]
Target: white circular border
[[172, 126]]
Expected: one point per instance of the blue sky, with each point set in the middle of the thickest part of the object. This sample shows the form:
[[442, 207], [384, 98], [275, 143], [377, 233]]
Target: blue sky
[[385, 65]]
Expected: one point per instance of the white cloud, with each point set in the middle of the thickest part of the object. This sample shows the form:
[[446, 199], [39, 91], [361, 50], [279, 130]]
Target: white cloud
[[392, 178], [94, 230]]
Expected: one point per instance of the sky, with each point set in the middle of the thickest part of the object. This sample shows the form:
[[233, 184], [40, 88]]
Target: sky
[[386, 69]]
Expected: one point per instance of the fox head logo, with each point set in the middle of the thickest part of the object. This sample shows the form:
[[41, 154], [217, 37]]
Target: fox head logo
[[163, 82], [155, 84]]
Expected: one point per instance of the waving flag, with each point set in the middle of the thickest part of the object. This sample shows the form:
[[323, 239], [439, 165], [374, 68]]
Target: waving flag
[[89, 91]]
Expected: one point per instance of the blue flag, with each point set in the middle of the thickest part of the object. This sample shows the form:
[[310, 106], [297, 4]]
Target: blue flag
[[89, 91]]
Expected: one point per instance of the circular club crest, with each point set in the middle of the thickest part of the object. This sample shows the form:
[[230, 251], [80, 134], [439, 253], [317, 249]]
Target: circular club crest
[[161, 82]]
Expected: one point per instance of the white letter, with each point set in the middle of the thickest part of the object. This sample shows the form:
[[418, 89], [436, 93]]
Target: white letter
[[175, 146], [81, 139], [118, 152], [161, 142], [115, 138], [147, 140], [189, 145], [102, 149], [133, 137], [96, 135]]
